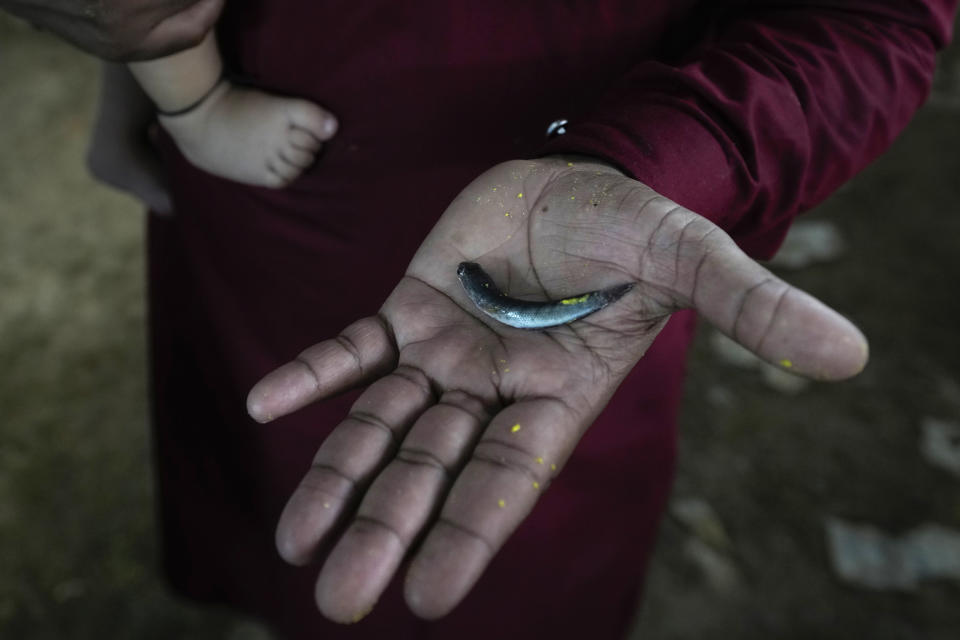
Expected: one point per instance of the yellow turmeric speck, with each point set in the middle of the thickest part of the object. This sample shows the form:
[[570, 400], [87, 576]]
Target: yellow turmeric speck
[[507, 370], [494, 188], [515, 428], [536, 485], [786, 364], [502, 503], [573, 197], [553, 467], [506, 215], [360, 615], [539, 460], [569, 164], [519, 195]]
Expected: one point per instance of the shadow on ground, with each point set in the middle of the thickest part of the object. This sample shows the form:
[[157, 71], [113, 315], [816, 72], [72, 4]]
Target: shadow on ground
[[76, 535]]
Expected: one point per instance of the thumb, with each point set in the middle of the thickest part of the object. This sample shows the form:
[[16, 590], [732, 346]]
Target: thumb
[[780, 323]]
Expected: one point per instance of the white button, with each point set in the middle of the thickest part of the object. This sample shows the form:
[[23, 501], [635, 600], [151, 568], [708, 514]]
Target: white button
[[557, 128]]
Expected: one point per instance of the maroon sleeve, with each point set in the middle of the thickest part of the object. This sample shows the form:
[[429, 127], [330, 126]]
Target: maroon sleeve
[[773, 111]]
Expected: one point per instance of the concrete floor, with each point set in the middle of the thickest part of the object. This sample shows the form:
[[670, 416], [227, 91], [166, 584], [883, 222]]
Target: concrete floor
[[76, 534]]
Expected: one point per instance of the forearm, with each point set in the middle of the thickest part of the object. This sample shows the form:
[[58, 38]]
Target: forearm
[[180, 80], [765, 118]]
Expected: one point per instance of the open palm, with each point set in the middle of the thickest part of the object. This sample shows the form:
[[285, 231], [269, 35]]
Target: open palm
[[466, 420]]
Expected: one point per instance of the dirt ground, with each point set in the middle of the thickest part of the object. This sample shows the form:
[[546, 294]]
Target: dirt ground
[[76, 532]]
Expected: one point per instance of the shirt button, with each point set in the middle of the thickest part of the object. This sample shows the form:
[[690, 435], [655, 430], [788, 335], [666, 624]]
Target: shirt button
[[557, 128]]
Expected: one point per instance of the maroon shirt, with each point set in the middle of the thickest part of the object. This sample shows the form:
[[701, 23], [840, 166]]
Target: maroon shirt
[[747, 114]]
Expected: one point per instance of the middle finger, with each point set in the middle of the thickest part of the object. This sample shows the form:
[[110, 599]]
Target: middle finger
[[399, 504], [348, 459]]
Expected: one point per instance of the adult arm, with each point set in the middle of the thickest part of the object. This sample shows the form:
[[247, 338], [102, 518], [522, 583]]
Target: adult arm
[[122, 30], [765, 119], [780, 104]]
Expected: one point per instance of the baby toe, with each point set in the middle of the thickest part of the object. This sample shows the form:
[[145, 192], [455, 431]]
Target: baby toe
[[308, 116], [303, 140], [296, 157], [280, 173]]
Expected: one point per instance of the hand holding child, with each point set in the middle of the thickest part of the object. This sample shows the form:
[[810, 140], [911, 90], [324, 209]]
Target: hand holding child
[[122, 30]]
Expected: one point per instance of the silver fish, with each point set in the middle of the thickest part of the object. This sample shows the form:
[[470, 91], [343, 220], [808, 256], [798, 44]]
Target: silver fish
[[524, 314]]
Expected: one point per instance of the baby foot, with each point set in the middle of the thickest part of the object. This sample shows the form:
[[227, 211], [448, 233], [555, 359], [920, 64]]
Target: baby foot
[[250, 136]]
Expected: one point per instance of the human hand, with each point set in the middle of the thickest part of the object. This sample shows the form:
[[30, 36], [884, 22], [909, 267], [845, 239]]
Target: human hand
[[122, 30], [466, 421]]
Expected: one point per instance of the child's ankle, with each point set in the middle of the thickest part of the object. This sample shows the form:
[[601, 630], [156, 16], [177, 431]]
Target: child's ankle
[[199, 102]]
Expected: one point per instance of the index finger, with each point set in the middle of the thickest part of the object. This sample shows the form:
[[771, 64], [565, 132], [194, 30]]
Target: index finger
[[363, 351], [516, 458]]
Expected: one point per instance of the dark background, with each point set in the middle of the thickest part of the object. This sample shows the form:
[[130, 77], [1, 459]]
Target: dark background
[[77, 544]]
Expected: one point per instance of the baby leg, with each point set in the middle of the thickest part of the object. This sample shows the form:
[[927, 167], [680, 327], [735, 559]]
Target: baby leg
[[234, 132]]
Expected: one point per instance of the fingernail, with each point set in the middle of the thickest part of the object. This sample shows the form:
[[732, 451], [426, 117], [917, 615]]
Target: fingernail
[[360, 615], [330, 126], [256, 411]]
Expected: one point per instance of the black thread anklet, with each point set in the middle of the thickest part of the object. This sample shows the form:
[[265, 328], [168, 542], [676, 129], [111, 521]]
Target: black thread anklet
[[191, 107]]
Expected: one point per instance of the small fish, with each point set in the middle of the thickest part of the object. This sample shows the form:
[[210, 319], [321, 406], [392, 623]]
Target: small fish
[[524, 314]]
